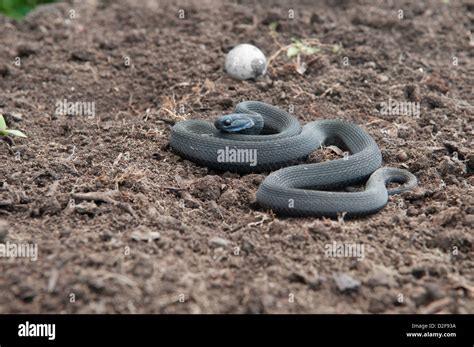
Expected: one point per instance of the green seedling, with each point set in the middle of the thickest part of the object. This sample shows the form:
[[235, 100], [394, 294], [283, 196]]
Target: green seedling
[[19, 8], [298, 47], [4, 131]]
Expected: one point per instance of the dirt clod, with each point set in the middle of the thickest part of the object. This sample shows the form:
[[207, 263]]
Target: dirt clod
[[346, 283], [402, 156], [217, 242]]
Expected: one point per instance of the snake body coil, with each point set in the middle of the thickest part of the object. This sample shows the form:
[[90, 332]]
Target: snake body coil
[[300, 190]]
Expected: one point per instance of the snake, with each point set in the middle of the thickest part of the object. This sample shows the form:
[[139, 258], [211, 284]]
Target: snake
[[258, 137]]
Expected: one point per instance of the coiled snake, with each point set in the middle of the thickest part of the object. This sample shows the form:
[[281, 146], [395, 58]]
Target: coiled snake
[[260, 137]]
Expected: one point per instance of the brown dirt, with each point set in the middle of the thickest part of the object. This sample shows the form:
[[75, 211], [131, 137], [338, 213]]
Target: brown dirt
[[96, 247]]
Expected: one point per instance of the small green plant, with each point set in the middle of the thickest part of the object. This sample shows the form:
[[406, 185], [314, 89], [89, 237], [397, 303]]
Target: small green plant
[[4, 131], [300, 50], [20, 8], [299, 47]]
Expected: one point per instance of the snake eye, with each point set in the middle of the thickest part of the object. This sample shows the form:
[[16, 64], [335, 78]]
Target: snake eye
[[227, 122]]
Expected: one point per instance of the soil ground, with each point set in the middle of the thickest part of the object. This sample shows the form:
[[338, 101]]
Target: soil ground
[[125, 225]]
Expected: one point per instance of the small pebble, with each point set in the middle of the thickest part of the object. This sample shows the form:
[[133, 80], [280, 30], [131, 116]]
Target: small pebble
[[144, 234], [82, 56], [346, 283], [86, 207], [370, 65], [106, 236], [416, 194], [402, 156], [217, 242]]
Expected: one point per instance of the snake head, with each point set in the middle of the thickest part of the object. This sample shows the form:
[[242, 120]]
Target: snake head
[[233, 123]]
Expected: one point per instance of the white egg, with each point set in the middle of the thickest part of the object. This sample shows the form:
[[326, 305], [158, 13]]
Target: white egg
[[245, 61]]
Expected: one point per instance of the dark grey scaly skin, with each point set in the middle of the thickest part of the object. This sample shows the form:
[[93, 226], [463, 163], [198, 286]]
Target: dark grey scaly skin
[[297, 190]]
